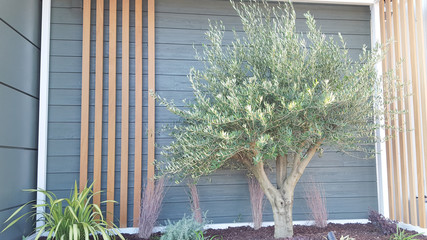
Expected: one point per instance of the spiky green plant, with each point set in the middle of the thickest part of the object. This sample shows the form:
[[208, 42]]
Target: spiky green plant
[[73, 218], [274, 94]]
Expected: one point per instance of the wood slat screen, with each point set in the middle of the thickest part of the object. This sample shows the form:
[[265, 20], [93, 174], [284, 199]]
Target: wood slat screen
[[111, 160], [402, 21]]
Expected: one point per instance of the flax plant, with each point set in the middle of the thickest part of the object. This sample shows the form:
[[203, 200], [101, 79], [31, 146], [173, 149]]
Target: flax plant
[[275, 96], [74, 218]]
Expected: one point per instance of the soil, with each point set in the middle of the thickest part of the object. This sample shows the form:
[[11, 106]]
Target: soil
[[353, 230]]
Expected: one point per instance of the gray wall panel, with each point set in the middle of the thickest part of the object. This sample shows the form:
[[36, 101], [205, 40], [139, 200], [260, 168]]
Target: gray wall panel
[[24, 16], [180, 24], [20, 65], [19, 119], [19, 87]]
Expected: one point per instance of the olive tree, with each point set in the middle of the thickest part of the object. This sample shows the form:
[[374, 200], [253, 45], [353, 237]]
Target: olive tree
[[273, 96]]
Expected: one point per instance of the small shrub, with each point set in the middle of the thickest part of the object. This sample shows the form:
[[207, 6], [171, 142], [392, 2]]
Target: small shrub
[[346, 238], [257, 201], [384, 225], [316, 202], [200, 236], [195, 203], [71, 218], [185, 229], [152, 199], [401, 235]]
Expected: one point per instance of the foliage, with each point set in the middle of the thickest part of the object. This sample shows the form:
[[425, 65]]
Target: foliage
[[185, 229], [270, 93], [200, 236], [151, 203], [401, 235], [257, 201], [73, 218], [384, 225], [314, 195]]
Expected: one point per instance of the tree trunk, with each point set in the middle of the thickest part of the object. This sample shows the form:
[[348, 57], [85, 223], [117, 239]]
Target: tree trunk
[[283, 225], [282, 213]]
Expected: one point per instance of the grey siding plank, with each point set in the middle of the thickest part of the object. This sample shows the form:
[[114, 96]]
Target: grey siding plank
[[19, 118], [20, 65], [24, 16], [180, 25], [23, 163]]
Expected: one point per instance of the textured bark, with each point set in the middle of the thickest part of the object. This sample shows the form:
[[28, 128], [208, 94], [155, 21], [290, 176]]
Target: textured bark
[[281, 197]]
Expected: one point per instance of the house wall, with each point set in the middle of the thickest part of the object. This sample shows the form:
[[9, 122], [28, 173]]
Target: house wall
[[19, 87], [350, 183]]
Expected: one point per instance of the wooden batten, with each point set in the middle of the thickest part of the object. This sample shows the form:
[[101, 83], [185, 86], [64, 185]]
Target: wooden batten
[[138, 113], [406, 78], [400, 107], [111, 109], [387, 119], [423, 88], [151, 88], [99, 71], [84, 125], [124, 155], [417, 115]]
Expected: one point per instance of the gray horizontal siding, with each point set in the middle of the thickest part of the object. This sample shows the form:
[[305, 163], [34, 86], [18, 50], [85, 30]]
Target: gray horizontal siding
[[19, 87], [350, 183]]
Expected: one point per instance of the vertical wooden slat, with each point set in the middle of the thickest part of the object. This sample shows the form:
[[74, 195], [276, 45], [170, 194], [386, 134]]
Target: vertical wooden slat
[[423, 88], [409, 125], [400, 107], [151, 88], [387, 119], [111, 110], [84, 126], [99, 68], [417, 116], [138, 112], [396, 178], [124, 156]]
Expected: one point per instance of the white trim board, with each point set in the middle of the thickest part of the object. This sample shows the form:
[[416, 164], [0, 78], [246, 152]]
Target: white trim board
[[43, 105]]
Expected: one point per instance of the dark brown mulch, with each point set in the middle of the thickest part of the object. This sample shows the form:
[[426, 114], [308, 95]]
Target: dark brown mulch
[[354, 230]]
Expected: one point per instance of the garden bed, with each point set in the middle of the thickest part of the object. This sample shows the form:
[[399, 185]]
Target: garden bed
[[355, 230]]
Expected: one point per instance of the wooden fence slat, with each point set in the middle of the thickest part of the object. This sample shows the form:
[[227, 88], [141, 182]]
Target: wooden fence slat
[[84, 127], [138, 113], [152, 88], [409, 125], [417, 116], [124, 157], [400, 107], [99, 68], [422, 75], [111, 110], [387, 120]]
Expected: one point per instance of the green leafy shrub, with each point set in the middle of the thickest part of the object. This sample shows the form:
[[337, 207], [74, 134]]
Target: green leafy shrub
[[185, 229], [74, 218]]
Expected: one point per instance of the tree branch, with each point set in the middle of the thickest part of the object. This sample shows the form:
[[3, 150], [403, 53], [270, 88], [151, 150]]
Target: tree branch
[[299, 167], [281, 170]]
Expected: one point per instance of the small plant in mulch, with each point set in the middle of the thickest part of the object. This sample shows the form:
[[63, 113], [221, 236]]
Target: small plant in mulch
[[383, 224], [402, 235], [152, 199], [185, 229], [314, 194], [257, 201]]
